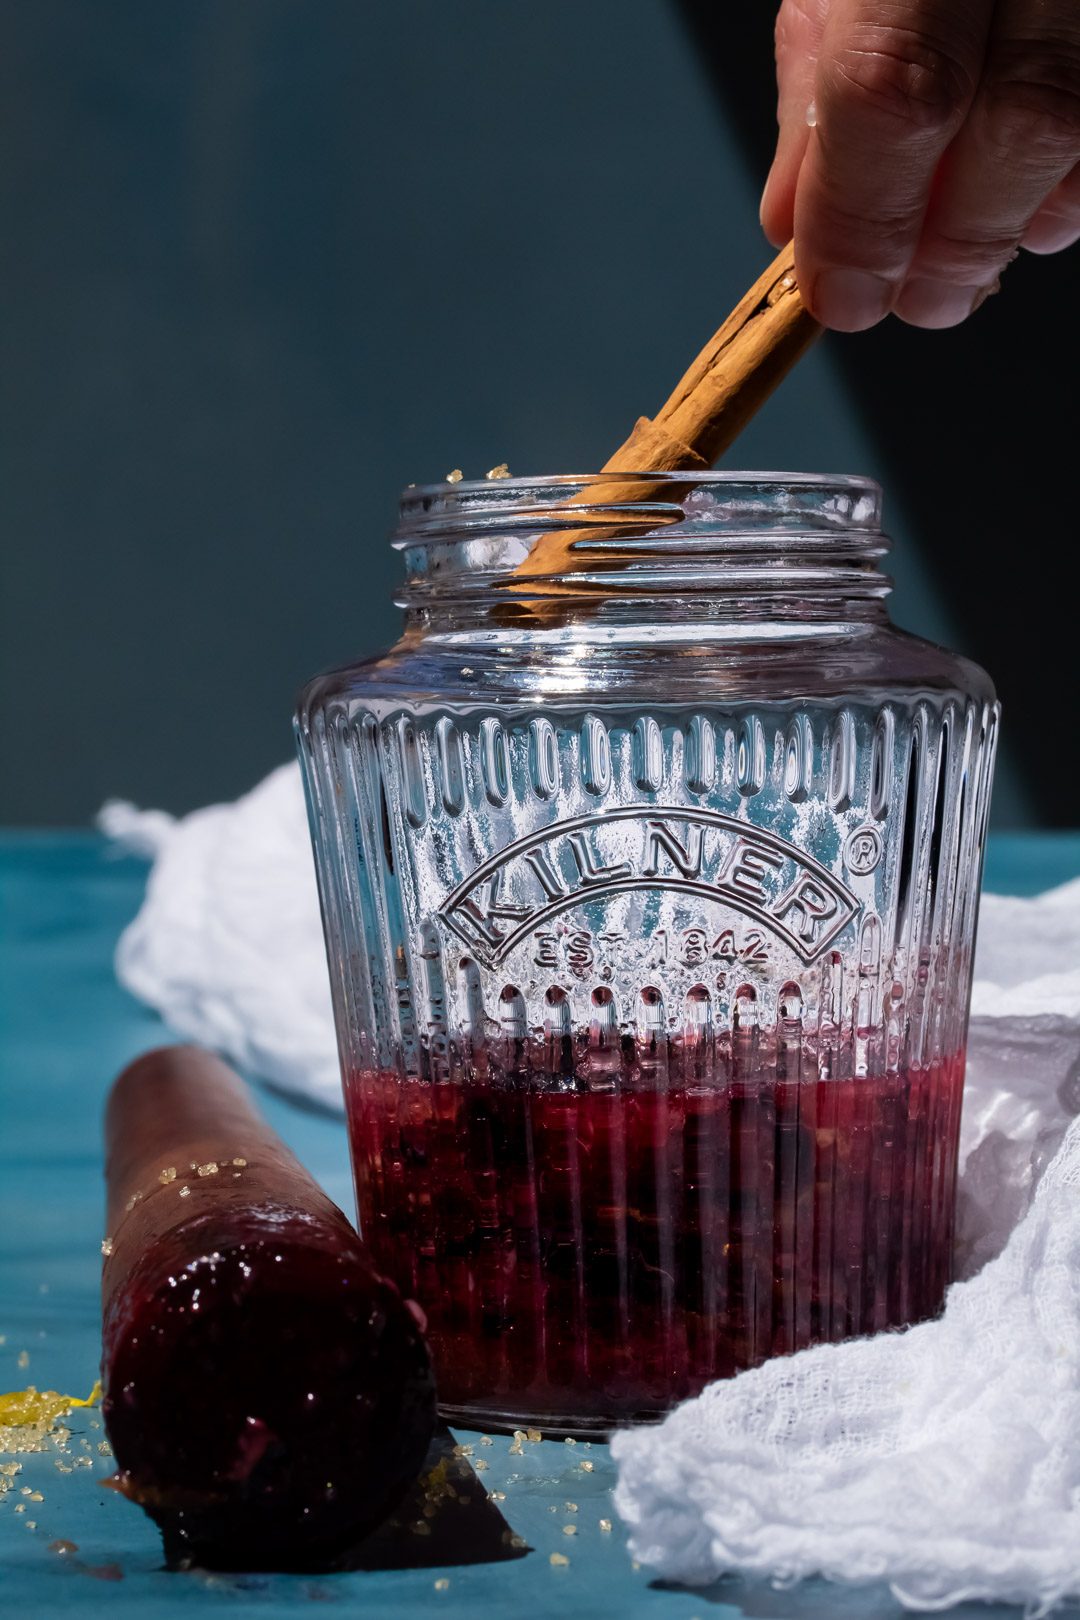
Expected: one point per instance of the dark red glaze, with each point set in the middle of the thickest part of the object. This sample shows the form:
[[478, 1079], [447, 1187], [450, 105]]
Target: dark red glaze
[[268, 1395], [594, 1248]]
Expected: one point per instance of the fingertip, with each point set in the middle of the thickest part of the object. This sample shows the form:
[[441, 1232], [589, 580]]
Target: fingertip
[[1049, 233], [847, 300], [775, 233], [777, 210]]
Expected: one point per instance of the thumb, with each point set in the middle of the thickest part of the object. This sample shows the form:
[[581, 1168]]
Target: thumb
[[800, 25]]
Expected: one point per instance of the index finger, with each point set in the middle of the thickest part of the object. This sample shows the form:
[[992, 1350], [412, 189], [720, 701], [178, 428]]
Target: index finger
[[895, 80]]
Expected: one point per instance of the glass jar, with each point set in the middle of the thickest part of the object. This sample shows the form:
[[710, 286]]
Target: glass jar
[[650, 895]]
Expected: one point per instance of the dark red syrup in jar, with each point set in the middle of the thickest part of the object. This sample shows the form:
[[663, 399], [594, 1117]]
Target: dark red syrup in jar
[[597, 1238]]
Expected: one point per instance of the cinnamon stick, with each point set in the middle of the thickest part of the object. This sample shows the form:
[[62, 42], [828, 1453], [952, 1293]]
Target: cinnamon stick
[[731, 378]]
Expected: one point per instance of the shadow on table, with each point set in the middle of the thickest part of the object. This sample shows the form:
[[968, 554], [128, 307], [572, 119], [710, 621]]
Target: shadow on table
[[819, 1600], [447, 1519]]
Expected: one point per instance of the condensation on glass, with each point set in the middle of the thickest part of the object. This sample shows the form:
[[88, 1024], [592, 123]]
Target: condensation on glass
[[650, 897]]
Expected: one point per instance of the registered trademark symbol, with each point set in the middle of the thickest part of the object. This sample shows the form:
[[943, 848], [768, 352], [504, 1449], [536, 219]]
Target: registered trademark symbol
[[863, 850]]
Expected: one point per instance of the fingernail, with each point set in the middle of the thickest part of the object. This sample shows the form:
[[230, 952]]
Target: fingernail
[[851, 300], [937, 304]]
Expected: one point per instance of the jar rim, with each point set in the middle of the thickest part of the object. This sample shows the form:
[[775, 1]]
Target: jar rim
[[665, 510], [648, 533], [705, 476]]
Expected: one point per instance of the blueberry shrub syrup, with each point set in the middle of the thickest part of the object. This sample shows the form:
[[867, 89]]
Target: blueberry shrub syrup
[[592, 1248]]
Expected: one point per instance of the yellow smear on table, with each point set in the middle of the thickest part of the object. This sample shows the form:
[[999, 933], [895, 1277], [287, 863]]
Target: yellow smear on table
[[27, 1415]]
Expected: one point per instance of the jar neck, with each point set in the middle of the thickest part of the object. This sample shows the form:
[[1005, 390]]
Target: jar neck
[[738, 555]]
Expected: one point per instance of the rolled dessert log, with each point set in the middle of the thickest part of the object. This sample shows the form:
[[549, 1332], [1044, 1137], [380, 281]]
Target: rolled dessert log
[[268, 1396]]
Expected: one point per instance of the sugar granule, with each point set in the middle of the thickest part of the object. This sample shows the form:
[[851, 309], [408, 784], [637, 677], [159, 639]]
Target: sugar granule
[[106, 1247], [167, 1175], [501, 471], [559, 1560], [455, 476]]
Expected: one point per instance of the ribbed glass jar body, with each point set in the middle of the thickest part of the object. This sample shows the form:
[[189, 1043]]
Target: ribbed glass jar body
[[650, 896]]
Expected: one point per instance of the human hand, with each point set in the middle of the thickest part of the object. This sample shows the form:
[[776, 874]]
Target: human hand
[[941, 136]]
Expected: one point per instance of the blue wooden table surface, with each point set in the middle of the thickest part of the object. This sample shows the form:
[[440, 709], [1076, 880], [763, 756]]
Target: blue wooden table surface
[[66, 1029]]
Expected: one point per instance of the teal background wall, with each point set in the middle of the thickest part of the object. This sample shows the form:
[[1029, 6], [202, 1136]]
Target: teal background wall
[[266, 262]]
